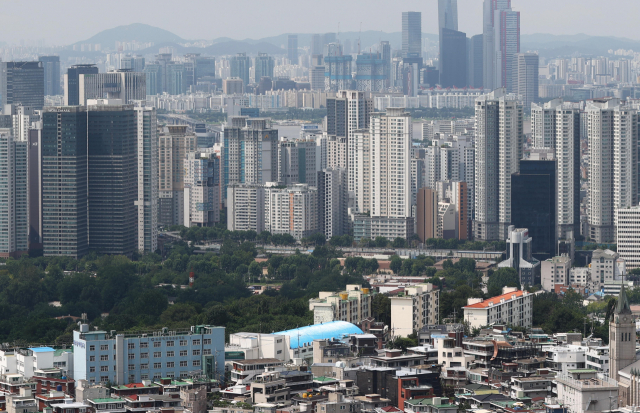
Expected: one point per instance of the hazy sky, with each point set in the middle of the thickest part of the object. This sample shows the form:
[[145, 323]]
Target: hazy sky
[[67, 21]]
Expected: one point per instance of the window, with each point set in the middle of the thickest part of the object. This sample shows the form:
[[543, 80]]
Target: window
[[170, 364], [184, 363], [196, 363], [207, 341], [104, 357], [92, 348], [132, 366], [157, 354], [92, 369], [184, 353], [132, 356], [196, 352], [170, 354], [156, 376], [104, 368], [206, 351], [156, 344], [144, 366], [92, 358], [144, 345], [131, 346], [183, 342], [170, 375], [196, 342], [170, 343], [144, 377], [184, 374], [157, 365], [144, 355], [104, 379], [104, 347]]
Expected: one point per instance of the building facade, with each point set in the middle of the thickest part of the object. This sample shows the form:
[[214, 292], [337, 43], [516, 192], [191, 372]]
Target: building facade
[[513, 308], [14, 196], [22, 83], [292, 210], [416, 308]]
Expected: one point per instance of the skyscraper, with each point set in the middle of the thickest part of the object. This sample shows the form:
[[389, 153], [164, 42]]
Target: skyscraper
[[411, 34], [174, 143], [475, 66], [525, 77], [506, 25], [292, 49], [427, 213], [453, 58], [147, 186], [122, 84], [371, 72], [52, 78], [22, 83], [297, 162], [263, 67], [112, 178], [337, 69], [448, 14], [613, 164], [239, 66], [14, 200], [64, 182], [385, 54], [489, 40], [72, 82], [536, 180], [316, 44], [557, 125], [202, 189], [499, 140], [333, 200]]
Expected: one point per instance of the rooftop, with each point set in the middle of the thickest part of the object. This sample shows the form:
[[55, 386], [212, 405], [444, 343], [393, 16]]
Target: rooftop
[[496, 300], [41, 349], [304, 336]]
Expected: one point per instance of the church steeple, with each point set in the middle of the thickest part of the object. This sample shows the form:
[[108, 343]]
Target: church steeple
[[622, 307]]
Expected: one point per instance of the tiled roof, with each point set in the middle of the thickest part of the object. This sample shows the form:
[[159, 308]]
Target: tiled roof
[[496, 300]]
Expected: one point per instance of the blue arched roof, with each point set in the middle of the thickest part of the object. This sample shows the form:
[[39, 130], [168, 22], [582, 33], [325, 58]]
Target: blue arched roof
[[305, 335]]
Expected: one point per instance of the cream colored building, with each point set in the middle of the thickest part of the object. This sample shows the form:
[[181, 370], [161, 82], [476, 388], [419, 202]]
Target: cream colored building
[[585, 390], [511, 308], [352, 305], [416, 307], [555, 271]]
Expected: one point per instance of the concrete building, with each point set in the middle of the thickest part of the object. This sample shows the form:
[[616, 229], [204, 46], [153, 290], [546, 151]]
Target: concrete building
[[512, 308], [239, 66], [263, 67], [519, 256], [613, 172], [506, 38], [233, 86], [489, 41], [555, 271], [122, 84], [390, 139], [22, 83], [14, 196], [174, 143], [245, 207], [499, 140], [368, 227], [604, 266], [370, 72], [427, 214], [101, 357], [585, 390], [292, 49], [525, 77], [292, 210], [297, 162], [628, 235], [352, 305], [333, 201], [201, 189], [147, 199], [417, 307]]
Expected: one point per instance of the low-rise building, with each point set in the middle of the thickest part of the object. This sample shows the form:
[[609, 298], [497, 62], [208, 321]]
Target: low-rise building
[[352, 305], [530, 387], [555, 271], [511, 308], [416, 307], [369, 227], [432, 405], [519, 256], [597, 358], [584, 390], [269, 387]]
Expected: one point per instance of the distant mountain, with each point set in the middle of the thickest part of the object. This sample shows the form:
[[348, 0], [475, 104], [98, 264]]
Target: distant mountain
[[228, 47], [550, 45], [133, 32]]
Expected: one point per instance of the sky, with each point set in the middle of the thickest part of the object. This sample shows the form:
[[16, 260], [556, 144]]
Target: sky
[[68, 21]]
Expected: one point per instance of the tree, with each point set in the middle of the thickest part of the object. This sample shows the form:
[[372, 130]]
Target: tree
[[398, 243], [381, 308], [255, 270], [503, 277], [396, 264]]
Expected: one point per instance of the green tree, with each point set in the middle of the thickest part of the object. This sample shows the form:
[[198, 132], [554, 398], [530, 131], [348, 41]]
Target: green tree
[[503, 277], [396, 264]]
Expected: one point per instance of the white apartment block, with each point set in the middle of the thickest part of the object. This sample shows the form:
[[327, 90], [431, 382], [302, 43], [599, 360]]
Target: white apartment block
[[416, 307], [513, 308], [147, 202], [201, 189], [499, 139], [390, 150], [360, 169], [14, 197], [613, 141], [297, 162], [245, 207], [333, 201], [556, 125], [628, 235], [582, 276], [336, 152], [555, 271], [292, 210], [597, 358], [352, 305]]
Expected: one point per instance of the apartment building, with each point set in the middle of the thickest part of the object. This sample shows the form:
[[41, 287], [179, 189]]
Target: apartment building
[[292, 210], [628, 235], [555, 271], [416, 307], [352, 305], [512, 307]]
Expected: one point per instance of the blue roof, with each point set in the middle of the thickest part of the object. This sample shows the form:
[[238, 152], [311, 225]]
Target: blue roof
[[306, 335], [41, 349]]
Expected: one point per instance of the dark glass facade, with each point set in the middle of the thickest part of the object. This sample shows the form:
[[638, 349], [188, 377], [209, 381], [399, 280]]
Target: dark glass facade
[[72, 83], [22, 83], [453, 58], [534, 203]]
